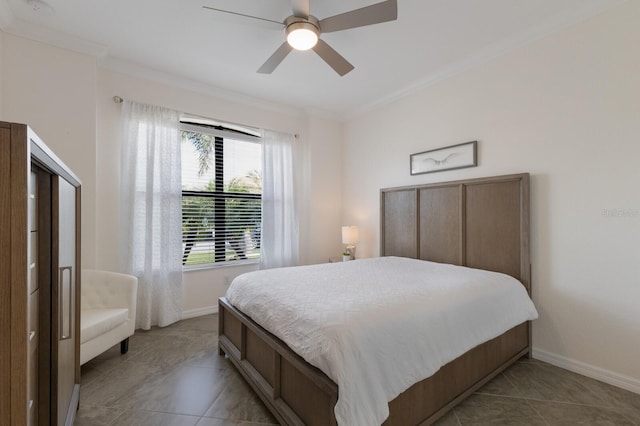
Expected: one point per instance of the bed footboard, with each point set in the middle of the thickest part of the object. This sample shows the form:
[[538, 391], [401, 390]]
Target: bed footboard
[[294, 391], [299, 394]]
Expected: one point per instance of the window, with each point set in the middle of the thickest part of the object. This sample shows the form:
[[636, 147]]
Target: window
[[221, 194]]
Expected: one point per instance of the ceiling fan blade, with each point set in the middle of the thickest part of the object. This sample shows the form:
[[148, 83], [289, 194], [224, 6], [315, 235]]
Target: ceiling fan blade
[[333, 58], [275, 59], [300, 8], [270, 22], [368, 15]]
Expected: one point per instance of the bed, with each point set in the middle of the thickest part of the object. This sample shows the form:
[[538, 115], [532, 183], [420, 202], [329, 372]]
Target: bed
[[479, 223]]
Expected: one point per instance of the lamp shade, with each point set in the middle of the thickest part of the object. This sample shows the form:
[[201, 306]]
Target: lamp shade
[[350, 234]]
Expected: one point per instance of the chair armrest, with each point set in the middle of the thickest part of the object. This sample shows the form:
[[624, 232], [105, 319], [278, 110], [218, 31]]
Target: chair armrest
[[104, 289]]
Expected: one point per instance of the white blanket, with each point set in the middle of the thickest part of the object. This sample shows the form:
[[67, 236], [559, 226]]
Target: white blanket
[[377, 326]]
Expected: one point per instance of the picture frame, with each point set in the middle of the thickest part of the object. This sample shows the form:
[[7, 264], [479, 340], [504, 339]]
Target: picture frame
[[451, 157]]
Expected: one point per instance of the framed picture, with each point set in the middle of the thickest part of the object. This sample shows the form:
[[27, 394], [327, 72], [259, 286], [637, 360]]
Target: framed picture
[[447, 158]]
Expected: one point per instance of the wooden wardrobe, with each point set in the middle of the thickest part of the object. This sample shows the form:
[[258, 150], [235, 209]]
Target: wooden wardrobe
[[39, 282]]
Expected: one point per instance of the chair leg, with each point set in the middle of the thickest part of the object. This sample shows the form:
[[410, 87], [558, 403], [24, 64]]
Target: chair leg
[[124, 346]]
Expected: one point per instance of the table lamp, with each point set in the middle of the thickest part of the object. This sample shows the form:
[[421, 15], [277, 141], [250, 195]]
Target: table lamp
[[350, 238]]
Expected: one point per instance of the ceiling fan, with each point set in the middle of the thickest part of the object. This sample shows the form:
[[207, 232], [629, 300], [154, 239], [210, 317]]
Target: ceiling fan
[[303, 31]]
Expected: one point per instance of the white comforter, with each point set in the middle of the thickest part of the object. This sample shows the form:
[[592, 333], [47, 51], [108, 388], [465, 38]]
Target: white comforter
[[377, 326]]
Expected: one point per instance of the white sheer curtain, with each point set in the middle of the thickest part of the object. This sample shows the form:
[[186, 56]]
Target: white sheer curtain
[[151, 211], [279, 244]]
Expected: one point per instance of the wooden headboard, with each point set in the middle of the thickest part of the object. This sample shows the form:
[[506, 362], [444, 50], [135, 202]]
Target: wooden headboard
[[481, 223]]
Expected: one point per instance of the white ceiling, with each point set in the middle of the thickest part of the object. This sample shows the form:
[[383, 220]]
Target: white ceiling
[[430, 40]]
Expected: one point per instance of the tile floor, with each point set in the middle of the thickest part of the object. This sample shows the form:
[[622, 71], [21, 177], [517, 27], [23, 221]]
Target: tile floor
[[174, 376]]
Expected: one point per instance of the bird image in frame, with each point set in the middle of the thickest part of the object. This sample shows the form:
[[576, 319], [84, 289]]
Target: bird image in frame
[[438, 163]]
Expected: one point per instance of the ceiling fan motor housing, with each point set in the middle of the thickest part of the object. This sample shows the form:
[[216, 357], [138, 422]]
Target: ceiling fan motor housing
[[302, 33]]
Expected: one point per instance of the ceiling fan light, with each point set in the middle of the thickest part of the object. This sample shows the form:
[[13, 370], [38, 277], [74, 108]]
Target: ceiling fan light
[[302, 35]]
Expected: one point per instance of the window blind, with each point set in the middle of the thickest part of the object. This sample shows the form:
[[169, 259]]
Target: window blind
[[221, 198]]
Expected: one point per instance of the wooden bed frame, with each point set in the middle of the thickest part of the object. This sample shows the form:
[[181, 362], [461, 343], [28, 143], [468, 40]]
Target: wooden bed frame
[[480, 223]]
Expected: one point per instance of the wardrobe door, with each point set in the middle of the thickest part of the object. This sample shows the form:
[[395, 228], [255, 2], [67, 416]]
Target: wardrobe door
[[66, 297], [43, 258], [32, 300], [5, 272]]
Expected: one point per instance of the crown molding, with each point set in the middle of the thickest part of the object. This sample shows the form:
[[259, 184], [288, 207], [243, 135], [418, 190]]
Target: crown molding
[[495, 50], [24, 29], [323, 114], [12, 25], [133, 69], [141, 71]]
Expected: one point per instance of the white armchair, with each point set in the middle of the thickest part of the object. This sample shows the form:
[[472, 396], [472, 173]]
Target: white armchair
[[107, 312]]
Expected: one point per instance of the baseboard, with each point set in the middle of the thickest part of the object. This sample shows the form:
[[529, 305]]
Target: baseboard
[[625, 382], [198, 312]]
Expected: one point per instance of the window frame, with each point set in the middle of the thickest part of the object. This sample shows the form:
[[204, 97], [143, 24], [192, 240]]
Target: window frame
[[220, 132]]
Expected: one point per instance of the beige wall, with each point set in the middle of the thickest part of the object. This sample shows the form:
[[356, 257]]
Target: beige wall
[[567, 110], [203, 287], [53, 91], [67, 99], [564, 109], [325, 189]]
